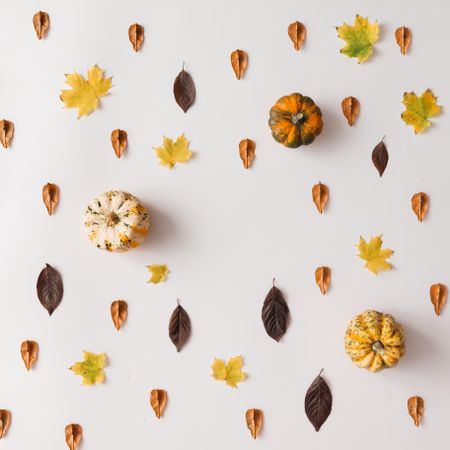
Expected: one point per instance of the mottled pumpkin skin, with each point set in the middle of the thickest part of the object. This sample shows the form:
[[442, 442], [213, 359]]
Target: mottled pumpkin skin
[[374, 341], [295, 120]]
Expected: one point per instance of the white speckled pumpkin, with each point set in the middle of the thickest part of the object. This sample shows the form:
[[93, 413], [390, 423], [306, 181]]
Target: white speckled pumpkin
[[116, 221], [374, 341]]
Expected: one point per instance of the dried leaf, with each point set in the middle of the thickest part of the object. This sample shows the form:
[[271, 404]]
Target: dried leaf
[[420, 203], [297, 32], [6, 132], [179, 327], [91, 368], [172, 152], [49, 288], [29, 351], [136, 36], [380, 157], [275, 313], [41, 22], [438, 296], [419, 110], [416, 409], [320, 194], [158, 400], [5, 422], [230, 372], [239, 61], [159, 273], [50, 196], [403, 37], [74, 433], [323, 278], [254, 419], [318, 402], [374, 255], [247, 150], [184, 90], [119, 141], [119, 312], [350, 109]]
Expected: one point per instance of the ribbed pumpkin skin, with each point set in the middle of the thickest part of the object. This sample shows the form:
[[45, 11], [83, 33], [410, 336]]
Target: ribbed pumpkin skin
[[374, 341], [290, 130]]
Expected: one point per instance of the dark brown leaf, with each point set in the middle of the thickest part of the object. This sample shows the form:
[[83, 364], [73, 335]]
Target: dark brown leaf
[[41, 22], [179, 327], [380, 157], [318, 401], [184, 90], [275, 314], [6, 132], [136, 35], [49, 288], [5, 422], [74, 433]]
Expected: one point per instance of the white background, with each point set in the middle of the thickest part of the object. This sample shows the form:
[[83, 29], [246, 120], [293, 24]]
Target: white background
[[224, 231]]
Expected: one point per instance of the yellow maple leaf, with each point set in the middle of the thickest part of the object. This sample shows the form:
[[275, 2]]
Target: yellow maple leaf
[[374, 255], [359, 37], [91, 368], [84, 94], [172, 152], [230, 372], [159, 273], [419, 110]]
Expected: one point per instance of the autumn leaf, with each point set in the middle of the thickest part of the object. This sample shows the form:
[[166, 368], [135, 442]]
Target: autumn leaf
[[374, 255], [359, 38], [159, 273], [229, 372], [171, 152], [84, 94], [419, 110], [91, 368]]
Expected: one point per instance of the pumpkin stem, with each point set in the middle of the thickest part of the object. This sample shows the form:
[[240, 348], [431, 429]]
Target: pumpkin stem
[[112, 219], [296, 118], [378, 347]]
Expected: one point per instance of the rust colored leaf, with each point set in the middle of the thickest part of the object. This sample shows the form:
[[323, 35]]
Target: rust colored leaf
[[74, 433], [416, 409], [297, 32], [136, 35], [403, 37], [438, 296], [6, 132], [29, 351], [247, 150], [119, 312], [158, 400], [320, 194], [5, 422], [49, 288], [41, 22], [50, 195], [119, 141], [380, 157], [350, 109], [323, 278], [239, 62], [184, 90], [420, 203], [254, 419]]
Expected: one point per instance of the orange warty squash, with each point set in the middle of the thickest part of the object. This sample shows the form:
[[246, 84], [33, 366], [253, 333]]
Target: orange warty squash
[[295, 120]]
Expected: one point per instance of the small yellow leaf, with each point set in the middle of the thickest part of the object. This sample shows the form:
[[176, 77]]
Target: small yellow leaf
[[84, 94], [91, 368], [159, 273], [374, 255], [229, 372], [172, 152], [419, 110]]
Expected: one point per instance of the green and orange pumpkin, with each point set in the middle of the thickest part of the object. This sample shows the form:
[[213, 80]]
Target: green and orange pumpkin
[[295, 120]]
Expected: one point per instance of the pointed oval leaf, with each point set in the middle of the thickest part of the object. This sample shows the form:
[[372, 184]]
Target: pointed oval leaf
[[403, 37], [350, 109], [179, 327], [297, 32], [50, 196], [254, 418], [420, 203], [5, 422], [41, 22], [119, 141], [184, 90], [320, 194], [323, 278], [6, 132], [239, 62], [119, 312], [380, 157], [416, 408], [318, 402], [438, 296], [247, 150], [275, 314], [29, 351], [49, 288], [136, 35], [158, 400], [74, 433]]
